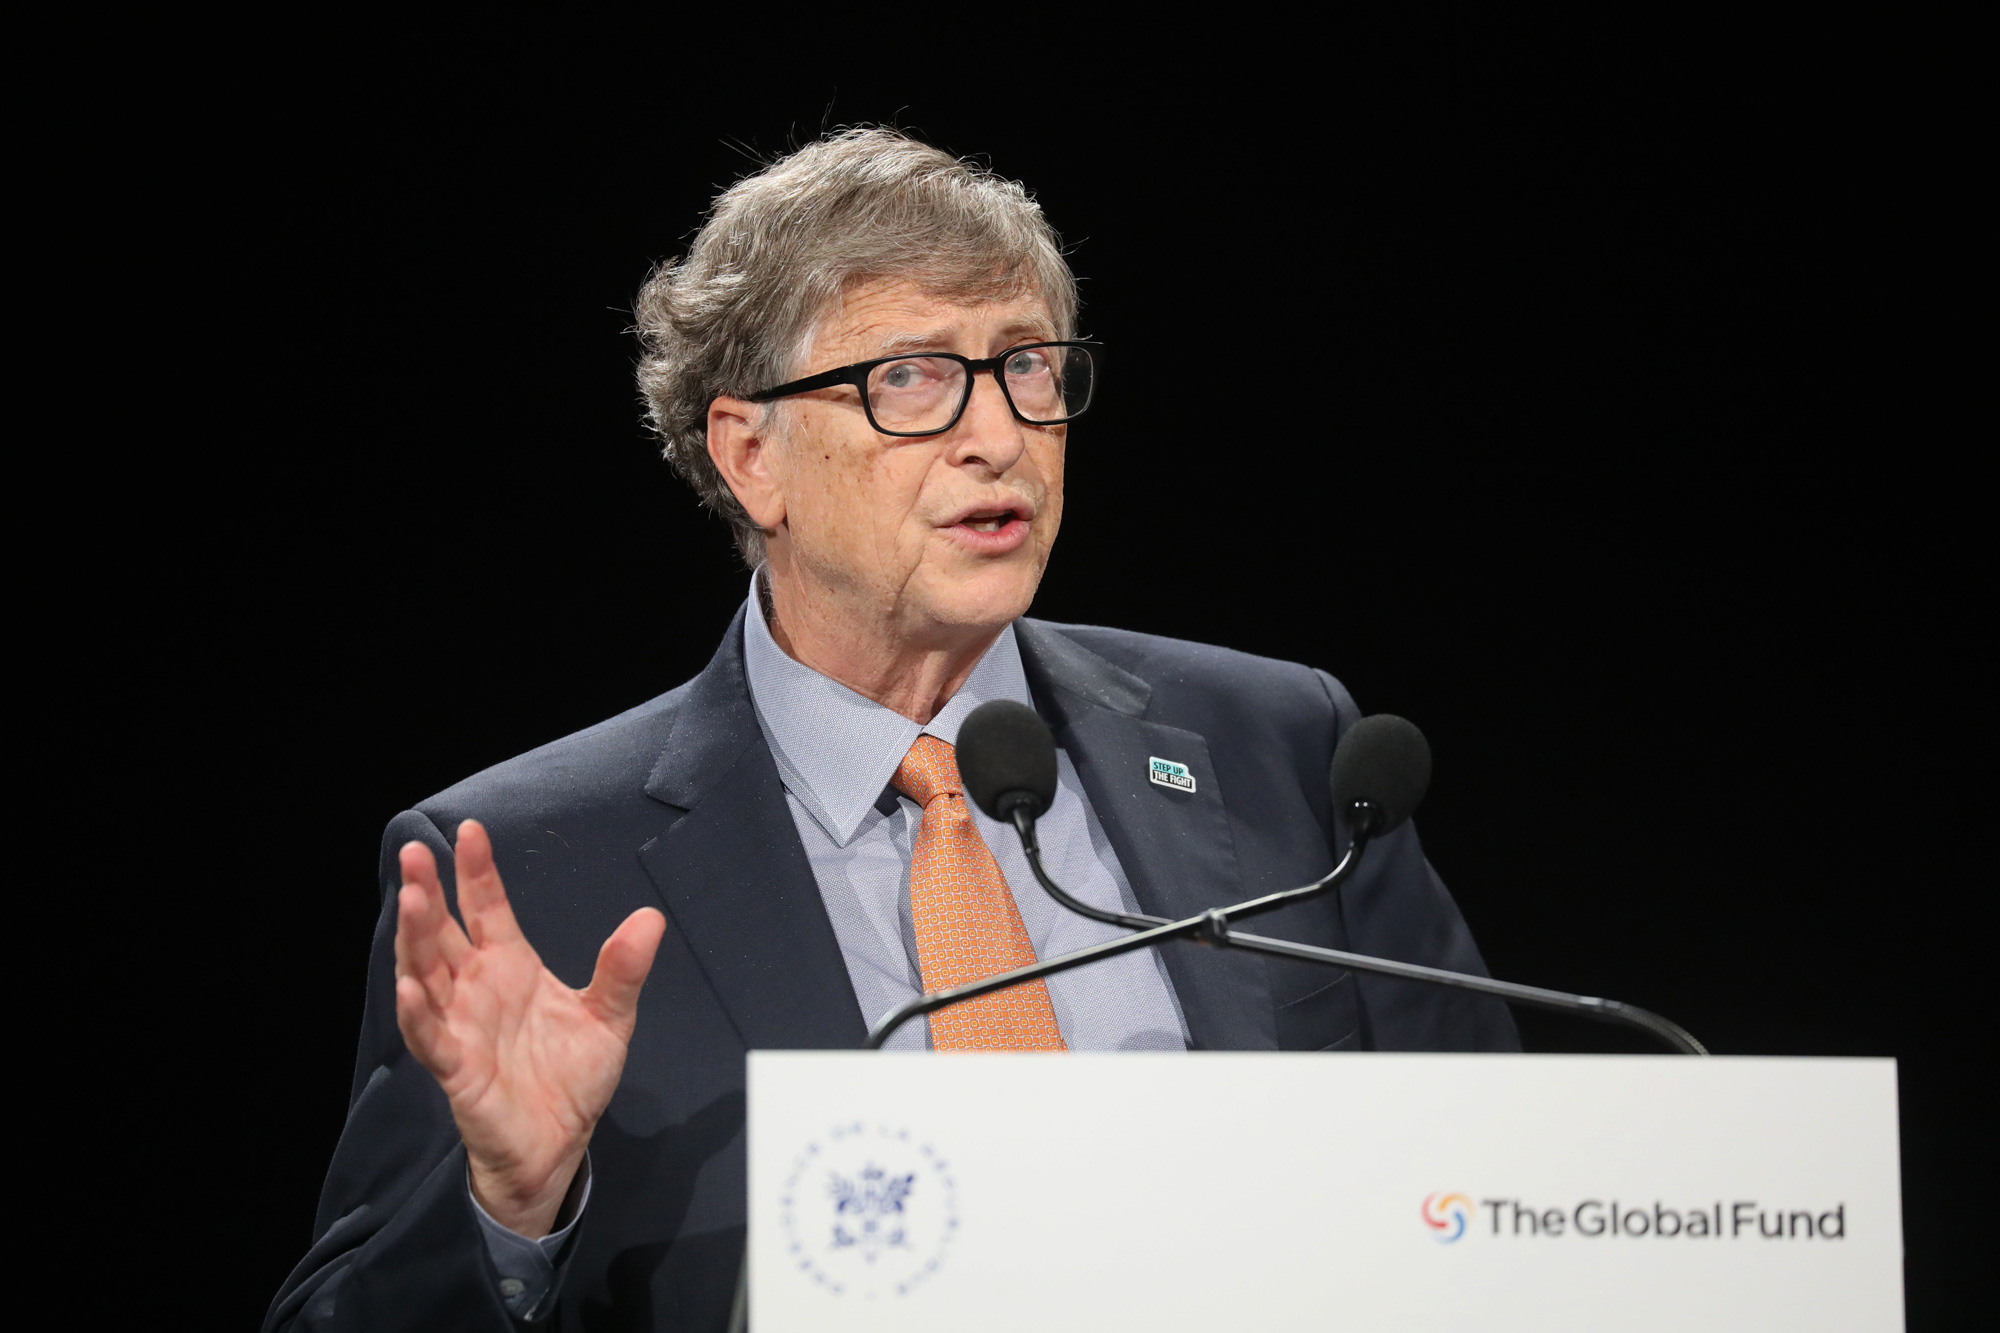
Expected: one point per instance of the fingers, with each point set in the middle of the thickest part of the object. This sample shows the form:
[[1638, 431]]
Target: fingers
[[424, 1029], [422, 927], [482, 899], [622, 965], [429, 944], [420, 868]]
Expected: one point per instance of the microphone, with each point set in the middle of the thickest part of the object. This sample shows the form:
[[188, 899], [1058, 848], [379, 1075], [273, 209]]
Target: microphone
[[1007, 760], [1381, 768], [1382, 763]]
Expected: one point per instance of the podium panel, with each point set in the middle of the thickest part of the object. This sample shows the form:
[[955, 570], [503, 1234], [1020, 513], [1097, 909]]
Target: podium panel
[[1277, 1192]]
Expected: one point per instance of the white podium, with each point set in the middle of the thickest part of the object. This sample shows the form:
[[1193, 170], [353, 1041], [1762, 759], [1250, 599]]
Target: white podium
[[1278, 1192]]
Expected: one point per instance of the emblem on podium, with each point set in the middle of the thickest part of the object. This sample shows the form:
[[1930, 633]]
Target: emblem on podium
[[869, 1210]]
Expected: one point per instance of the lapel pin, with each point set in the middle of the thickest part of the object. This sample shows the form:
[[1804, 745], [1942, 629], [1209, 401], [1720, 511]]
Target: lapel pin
[[1167, 773]]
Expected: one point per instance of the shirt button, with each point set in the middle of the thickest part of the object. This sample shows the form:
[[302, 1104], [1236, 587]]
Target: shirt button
[[510, 1287]]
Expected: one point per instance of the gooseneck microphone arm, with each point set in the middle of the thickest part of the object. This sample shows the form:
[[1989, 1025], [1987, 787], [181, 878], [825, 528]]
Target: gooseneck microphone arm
[[1586, 1006], [1215, 930], [1024, 823], [1023, 815], [1149, 930], [1213, 927], [1381, 767]]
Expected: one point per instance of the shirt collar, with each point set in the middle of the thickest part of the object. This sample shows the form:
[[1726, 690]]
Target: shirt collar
[[836, 750]]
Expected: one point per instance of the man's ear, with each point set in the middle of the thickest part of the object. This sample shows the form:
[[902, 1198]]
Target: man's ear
[[742, 452]]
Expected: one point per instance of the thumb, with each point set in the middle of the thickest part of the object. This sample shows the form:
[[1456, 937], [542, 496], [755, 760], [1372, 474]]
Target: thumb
[[622, 965]]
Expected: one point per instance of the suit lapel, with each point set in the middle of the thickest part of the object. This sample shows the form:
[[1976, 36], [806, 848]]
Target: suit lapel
[[1176, 846], [734, 876]]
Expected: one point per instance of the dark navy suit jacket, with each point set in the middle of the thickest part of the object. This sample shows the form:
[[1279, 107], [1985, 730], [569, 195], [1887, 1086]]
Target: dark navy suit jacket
[[677, 805]]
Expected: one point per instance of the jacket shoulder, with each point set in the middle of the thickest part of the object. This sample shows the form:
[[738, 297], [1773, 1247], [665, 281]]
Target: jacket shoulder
[[602, 764], [1183, 673]]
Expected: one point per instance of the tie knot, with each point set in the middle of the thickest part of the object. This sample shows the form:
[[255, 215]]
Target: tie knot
[[928, 771]]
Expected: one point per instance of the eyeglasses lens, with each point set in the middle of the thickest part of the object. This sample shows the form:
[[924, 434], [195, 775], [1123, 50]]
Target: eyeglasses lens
[[1048, 385], [917, 393]]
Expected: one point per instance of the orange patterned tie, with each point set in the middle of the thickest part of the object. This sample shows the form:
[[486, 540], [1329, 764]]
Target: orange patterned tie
[[967, 924]]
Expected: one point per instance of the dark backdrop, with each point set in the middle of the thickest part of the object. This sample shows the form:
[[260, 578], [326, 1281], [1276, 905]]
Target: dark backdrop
[[1573, 397]]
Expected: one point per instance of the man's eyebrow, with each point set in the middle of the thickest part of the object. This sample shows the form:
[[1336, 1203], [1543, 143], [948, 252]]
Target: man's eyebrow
[[1029, 326], [932, 340], [928, 341]]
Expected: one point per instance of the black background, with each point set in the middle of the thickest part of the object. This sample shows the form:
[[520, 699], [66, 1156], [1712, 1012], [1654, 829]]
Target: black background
[[1579, 397]]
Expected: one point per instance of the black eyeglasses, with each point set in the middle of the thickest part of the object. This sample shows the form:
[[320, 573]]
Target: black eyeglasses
[[1045, 384]]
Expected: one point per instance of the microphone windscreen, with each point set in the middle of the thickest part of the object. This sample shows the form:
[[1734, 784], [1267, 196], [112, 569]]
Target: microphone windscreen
[[1005, 747], [1385, 761]]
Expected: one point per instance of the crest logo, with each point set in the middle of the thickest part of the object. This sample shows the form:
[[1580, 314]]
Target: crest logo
[[1446, 1215], [869, 1210]]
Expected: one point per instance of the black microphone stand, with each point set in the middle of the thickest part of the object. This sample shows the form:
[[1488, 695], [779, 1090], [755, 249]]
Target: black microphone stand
[[1213, 928]]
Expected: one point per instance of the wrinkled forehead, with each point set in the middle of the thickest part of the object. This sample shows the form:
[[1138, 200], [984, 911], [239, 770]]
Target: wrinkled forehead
[[883, 316]]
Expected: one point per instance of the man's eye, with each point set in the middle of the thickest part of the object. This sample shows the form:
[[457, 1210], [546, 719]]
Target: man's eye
[[1024, 364], [907, 375]]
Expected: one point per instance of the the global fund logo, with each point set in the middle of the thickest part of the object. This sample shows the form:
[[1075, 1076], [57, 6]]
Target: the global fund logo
[[1451, 1217], [1447, 1215]]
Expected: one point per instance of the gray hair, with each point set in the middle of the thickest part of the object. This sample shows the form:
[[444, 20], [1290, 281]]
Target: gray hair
[[738, 311]]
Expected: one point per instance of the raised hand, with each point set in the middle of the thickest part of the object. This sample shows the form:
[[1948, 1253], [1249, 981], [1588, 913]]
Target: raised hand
[[528, 1063]]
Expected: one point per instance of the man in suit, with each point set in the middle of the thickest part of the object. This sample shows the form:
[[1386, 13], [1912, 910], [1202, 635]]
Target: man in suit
[[867, 364]]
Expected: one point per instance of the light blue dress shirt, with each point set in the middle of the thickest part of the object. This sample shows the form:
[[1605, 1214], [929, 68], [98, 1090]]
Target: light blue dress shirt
[[836, 751]]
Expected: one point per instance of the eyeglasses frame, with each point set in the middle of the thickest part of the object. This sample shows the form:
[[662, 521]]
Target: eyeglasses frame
[[857, 375]]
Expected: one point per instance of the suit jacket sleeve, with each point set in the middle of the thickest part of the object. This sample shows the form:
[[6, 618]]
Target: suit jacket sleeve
[[1396, 907], [396, 1244]]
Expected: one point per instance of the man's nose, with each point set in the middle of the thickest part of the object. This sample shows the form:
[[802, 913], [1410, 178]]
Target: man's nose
[[988, 431]]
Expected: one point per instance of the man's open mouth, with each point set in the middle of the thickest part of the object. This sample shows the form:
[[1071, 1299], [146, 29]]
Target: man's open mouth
[[994, 529]]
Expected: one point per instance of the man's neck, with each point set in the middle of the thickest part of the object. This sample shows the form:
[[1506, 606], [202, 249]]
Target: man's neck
[[911, 679]]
